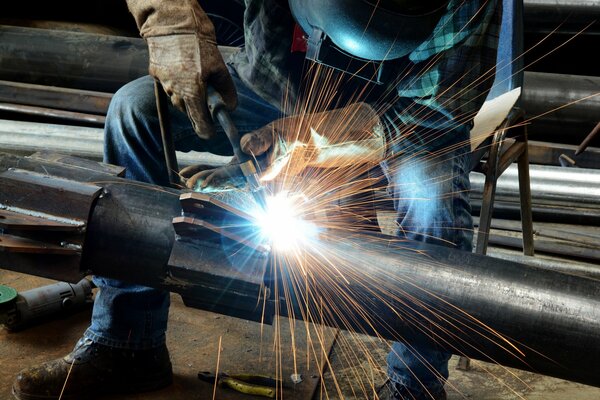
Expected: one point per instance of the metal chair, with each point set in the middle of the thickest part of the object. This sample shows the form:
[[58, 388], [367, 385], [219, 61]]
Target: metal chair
[[509, 141]]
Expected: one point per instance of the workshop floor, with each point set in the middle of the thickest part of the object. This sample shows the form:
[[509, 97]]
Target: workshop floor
[[193, 339]]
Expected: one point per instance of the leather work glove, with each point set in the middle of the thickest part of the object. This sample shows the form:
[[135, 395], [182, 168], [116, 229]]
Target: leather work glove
[[184, 57], [343, 137]]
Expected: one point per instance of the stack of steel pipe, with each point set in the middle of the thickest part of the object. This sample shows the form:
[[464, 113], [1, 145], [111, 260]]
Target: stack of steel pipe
[[550, 186], [104, 63], [565, 205], [64, 75], [559, 194]]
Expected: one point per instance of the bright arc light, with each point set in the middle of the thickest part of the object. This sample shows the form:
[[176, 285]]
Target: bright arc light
[[281, 222]]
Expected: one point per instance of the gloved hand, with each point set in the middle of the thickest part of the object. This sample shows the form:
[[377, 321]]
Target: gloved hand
[[184, 56], [185, 65], [347, 136], [208, 174]]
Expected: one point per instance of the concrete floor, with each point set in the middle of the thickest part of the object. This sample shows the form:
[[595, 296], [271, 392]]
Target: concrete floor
[[357, 362]]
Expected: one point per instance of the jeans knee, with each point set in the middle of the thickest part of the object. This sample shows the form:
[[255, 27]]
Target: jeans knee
[[131, 111]]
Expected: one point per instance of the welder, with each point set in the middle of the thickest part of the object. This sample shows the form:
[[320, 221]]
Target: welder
[[427, 67]]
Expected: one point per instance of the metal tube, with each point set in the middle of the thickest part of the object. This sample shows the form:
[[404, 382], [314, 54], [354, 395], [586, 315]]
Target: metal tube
[[568, 214], [401, 290], [556, 105], [549, 186], [28, 137], [73, 59], [464, 302], [567, 15]]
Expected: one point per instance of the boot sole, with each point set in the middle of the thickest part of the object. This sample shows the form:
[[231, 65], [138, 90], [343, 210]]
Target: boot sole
[[158, 382]]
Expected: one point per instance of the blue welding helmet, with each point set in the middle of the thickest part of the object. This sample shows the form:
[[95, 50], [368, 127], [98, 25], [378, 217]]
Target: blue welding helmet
[[342, 31]]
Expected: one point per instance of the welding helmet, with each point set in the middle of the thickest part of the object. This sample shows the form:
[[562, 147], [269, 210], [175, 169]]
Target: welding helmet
[[342, 31]]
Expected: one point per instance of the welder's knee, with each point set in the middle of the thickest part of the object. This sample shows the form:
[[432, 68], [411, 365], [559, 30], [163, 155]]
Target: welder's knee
[[132, 112], [431, 199]]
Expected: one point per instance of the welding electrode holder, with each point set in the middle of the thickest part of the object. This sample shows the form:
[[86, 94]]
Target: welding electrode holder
[[218, 112]]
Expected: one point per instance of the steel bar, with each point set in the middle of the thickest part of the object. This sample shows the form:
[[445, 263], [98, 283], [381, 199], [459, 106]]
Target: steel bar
[[53, 113], [489, 192], [463, 302], [165, 134], [77, 100], [588, 139], [525, 198]]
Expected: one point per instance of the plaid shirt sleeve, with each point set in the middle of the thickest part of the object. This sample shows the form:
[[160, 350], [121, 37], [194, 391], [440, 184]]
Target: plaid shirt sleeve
[[264, 63], [447, 79]]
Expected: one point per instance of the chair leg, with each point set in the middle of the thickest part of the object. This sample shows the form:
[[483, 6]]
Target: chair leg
[[485, 214], [525, 198], [489, 192]]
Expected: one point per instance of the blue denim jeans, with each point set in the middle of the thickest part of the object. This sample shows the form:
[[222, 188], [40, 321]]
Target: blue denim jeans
[[431, 198], [431, 201], [132, 316]]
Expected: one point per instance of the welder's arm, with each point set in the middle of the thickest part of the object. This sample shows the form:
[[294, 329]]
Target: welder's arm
[[343, 137], [184, 56]]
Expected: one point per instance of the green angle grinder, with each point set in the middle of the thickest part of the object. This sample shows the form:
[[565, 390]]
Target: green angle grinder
[[20, 309]]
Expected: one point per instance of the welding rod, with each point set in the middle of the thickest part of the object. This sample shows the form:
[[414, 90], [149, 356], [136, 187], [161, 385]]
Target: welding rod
[[167, 139], [588, 139]]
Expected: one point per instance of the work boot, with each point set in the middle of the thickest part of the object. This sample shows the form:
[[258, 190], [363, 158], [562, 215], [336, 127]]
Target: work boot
[[92, 369], [395, 391]]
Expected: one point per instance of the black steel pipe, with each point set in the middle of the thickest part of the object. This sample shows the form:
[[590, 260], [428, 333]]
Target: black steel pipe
[[562, 108], [70, 59], [73, 59], [568, 16], [464, 302]]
